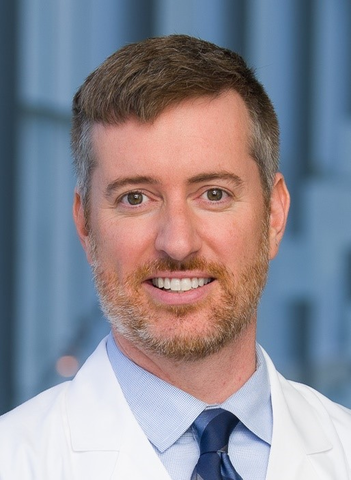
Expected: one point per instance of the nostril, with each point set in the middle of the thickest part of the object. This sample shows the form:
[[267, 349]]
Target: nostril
[[178, 246]]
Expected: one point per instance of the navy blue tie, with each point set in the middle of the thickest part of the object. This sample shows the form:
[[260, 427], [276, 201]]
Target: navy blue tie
[[212, 429]]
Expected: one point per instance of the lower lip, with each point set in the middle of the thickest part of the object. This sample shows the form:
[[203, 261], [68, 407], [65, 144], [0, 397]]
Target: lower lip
[[167, 297]]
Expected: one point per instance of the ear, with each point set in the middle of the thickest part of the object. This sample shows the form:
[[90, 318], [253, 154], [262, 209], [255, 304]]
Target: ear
[[280, 203], [80, 222]]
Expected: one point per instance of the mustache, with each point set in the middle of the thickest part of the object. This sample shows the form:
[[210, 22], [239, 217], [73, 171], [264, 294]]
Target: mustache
[[151, 268]]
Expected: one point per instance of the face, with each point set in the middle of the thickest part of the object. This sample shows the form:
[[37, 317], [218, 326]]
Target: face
[[179, 235]]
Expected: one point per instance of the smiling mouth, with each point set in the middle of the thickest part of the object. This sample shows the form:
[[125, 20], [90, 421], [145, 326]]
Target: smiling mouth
[[180, 284]]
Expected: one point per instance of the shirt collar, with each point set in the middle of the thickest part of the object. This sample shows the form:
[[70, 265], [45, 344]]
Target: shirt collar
[[252, 402], [165, 412]]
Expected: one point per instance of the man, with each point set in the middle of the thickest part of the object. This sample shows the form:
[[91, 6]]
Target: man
[[179, 206]]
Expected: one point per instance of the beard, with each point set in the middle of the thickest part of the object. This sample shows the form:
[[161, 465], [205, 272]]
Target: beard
[[170, 331]]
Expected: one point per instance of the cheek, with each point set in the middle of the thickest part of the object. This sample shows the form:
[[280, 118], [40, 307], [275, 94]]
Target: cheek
[[238, 242], [124, 246], [230, 236]]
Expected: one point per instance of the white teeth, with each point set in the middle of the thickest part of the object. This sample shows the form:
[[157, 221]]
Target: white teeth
[[185, 284], [179, 284], [175, 284]]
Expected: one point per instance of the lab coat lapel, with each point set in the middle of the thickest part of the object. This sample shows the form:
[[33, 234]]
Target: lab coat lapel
[[107, 442], [298, 435], [100, 421]]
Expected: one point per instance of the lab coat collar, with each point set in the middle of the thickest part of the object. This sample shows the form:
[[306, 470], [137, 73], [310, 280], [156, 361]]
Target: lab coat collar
[[99, 419], [298, 433]]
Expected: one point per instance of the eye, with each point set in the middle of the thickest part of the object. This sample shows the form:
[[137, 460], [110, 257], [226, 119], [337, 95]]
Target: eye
[[133, 198], [215, 194]]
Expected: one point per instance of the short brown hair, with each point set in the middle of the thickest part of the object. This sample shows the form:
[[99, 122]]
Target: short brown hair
[[143, 79]]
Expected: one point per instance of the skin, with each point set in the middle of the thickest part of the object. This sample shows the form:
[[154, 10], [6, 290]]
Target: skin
[[188, 151]]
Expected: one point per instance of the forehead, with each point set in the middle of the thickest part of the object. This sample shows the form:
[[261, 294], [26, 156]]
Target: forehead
[[196, 134]]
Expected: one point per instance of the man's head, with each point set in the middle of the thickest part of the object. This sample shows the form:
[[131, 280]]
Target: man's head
[[141, 80], [179, 215]]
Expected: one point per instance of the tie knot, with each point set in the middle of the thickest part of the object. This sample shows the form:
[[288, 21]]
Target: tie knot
[[213, 428]]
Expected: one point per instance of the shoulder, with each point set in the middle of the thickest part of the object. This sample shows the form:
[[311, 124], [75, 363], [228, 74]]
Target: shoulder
[[307, 406], [306, 424], [35, 428], [304, 394], [35, 410], [327, 410], [39, 428], [50, 405], [33, 421]]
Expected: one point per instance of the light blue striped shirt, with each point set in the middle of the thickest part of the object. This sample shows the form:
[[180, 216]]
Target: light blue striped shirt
[[166, 413]]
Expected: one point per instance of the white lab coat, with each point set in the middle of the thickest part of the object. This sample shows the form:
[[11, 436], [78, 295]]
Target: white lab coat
[[84, 430]]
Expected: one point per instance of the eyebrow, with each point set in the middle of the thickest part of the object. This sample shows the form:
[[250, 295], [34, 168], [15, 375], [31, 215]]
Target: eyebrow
[[137, 180], [221, 175], [201, 177]]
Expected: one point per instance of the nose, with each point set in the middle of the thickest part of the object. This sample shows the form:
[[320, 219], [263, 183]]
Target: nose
[[177, 234]]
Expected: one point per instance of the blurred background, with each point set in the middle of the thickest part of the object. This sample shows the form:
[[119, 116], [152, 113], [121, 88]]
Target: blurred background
[[50, 320]]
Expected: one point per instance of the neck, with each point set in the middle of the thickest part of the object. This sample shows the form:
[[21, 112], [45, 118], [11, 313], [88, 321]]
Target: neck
[[212, 379]]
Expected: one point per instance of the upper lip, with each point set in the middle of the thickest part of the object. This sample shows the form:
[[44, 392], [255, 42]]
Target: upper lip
[[180, 275]]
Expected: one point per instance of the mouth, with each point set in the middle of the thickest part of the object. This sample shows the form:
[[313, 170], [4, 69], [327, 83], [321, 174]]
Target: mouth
[[179, 285]]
